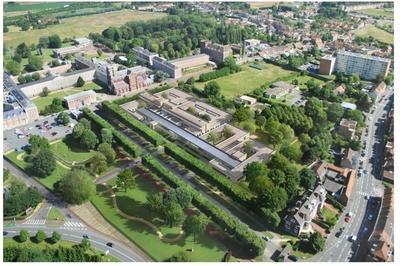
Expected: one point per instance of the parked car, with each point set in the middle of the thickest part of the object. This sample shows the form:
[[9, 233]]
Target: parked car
[[293, 258], [110, 244], [54, 133], [86, 236], [370, 217]]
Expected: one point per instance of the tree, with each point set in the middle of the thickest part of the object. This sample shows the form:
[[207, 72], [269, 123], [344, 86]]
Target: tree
[[260, 121], [55, 237], [37, 143], [212, 89], [173, 214], [335, 112], [43, 42], [364, 102], [213, 137], [99, 52], [242, 114], [277, 176], [274, 198], [80, 82], [34, 63], [54, 41], [254, 169], [23, 235], [63, 117], [77, 186], [307, 178], [180, 257], [98, 163], [272, 218], [183, 196], [5, 29], [227, 256], [260, 184], [156, 202], [85, 244], [291, 151], [40, 236], [317, 242], [125, 179], [23, 50], [13, 67], [43, 163], [17, 58], [89, 139], [195, 224], [108, 151], [248, 148], [106, 135]]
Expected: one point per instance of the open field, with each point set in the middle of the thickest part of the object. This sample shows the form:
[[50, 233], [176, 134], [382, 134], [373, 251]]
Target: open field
[[33, 6], [249, 79], [387, 12], [376, 33], [79, 26], [68, 150], [42, 102], [262, 4], [133, 202]]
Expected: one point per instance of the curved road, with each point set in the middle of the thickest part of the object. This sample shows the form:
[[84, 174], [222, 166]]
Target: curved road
[[98, 240]]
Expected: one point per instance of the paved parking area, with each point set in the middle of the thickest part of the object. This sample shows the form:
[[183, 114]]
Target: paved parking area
[[12, 142]]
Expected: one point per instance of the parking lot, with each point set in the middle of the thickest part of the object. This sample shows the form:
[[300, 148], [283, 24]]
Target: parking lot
[[15, 139]]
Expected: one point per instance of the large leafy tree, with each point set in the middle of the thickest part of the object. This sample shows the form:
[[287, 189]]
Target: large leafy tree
[[254, 169], [77, 186], [195, 225], [37, 143], [106, 135], [307, 178], [317, 242], [34, 63], [173, 214], [89, 139], [98, 163], [335, 112], [107, 150], [43, 163], [125, 179]]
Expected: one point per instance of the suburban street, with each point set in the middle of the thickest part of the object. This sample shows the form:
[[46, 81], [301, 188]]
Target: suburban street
[[72, 229], [341, 249]]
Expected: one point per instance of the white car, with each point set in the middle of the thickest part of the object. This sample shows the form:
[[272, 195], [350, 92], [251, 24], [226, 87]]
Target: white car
[[370, 216]]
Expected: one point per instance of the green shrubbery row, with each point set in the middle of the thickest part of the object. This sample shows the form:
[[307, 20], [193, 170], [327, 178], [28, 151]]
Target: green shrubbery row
[[120, 138], [232, 225], [236, 192], [149, 134], [225, 71]]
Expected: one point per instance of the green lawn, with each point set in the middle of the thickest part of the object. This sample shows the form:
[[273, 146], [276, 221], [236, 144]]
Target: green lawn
[[48, 181], [376, 33], [42, 102], [133, 202], [32, 6], [387, 12], [249, 79], [329, 216], [302, 81], [68, 150], [55, 215], [10, 242], [79, 26]]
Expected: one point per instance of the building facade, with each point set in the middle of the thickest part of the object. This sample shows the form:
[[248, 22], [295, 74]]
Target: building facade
[[217, 52], [366, 66], [80, 100], [327, 65]]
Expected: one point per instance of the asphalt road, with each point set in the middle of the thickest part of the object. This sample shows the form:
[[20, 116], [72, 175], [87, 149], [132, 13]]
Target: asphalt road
[[341, 249], [72, 229], [97, 241]]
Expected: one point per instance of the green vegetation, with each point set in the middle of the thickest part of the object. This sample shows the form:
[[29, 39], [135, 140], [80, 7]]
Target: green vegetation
[[387, 12], [66, 251], [249, 79], [329, 216], [376, 33], [55, 215], [68, 150], [13, 7], [79, 26], [134, 202]]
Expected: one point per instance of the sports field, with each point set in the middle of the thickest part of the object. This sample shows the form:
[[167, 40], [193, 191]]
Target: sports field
[[249, 79], [387, 12], [79, 26], [376, 33]]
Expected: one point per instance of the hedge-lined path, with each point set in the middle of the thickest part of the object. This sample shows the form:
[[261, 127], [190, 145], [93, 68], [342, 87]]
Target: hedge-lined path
[[138, 219]]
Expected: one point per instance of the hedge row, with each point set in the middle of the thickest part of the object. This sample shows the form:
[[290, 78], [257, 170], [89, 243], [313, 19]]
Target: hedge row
[[225, 71], [120, 138], [236, 192], [240, 231], [147, 133]]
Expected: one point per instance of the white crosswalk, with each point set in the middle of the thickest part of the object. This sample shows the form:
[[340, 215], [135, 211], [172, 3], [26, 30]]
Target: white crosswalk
[[35, 221], [73, 226]]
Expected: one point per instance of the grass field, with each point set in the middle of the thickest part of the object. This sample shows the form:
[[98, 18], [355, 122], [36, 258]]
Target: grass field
[[79, 26], [42, 102], [26, 6], [68, 150], [249, 79], [262, 4], [376, 33], [11, 242], [55, 215], [133, 202], [387, 12]]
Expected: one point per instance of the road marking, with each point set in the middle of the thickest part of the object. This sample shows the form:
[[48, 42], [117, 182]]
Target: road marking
[[35, 221]]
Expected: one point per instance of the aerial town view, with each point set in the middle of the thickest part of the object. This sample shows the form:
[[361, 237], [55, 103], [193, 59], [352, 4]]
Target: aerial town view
[[198, 131]]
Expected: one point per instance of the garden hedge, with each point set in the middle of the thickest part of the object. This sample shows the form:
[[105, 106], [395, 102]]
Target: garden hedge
[[239, 230], [120, 138]]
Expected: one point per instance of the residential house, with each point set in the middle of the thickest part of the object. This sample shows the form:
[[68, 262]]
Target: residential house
[[347, 128]]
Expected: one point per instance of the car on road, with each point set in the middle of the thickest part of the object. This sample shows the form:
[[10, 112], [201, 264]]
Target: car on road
[[266, 238], [353, 238], [293, 258], [5, 233], [340, 232], [110, 244], [54, 133], [69, 215], [86, 237], [370, 217], [365, 229]]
